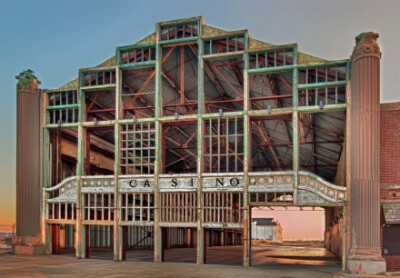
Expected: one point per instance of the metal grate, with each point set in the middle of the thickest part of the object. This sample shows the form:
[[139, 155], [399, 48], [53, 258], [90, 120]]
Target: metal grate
[[62, 107], [271, 197], [98, 206], [180, 31], [223, 207], [98, 78], [323, 85], [226, 44], [179, 207], [137, 54], [269, 59], [223, 141], [138, 148], [61, 211], [137, 207]]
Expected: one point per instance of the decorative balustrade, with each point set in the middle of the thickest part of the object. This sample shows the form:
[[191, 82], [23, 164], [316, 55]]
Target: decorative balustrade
[[264, 182], [271, 181], [62, 192], [327, 191], [100, 184]]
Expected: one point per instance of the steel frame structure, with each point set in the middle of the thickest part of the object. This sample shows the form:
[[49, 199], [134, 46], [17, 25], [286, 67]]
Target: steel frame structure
[[212, 197]]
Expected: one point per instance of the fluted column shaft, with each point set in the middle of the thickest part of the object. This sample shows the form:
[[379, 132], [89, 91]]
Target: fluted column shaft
[[28, 155], [365, 170]]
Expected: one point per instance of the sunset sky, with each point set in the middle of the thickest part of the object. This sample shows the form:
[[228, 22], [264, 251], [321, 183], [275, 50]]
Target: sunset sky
[[56, 38]]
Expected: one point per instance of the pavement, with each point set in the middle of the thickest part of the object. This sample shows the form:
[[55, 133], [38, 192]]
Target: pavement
[[267, 261]]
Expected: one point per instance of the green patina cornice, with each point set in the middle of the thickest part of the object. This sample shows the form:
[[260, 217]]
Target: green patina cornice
[[26, 76]]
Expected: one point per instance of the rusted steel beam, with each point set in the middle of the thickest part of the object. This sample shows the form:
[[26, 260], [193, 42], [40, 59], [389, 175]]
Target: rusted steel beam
[[278, 103], [102, 108], [223, 77], [332, 134], [273, 97], [147, 81], [321, 157], [267, 139], [141, 89], [209, 72], [93, 101], [236, 71]]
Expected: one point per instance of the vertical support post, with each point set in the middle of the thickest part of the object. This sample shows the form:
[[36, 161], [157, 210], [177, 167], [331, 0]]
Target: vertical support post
[[246, 154], [87, 155], [295, 138], [81, 233], [117, 229], [365, 253], [158, 153], [45, 184], [346, 216], [344, 233], [295, 125], [80, 229], [182, 83], [295, 79], [200, 151]]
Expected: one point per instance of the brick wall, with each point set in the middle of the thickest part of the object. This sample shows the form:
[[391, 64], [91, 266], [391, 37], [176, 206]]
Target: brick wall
[[390, 166], [390, 143]]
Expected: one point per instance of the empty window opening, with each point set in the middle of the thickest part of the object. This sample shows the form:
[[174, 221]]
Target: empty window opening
[[179, 148], [271, 143], [223, 85], [271, 91], [138, 93], [179, 80]]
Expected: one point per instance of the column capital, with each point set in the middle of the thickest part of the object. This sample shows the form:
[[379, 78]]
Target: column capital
[[366, 45], [27, 81]]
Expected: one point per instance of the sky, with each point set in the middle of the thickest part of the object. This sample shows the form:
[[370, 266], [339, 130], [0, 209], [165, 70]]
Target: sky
[[56, 38]]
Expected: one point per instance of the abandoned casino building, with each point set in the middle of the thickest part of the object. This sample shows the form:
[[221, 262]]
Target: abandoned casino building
[[172, 142]]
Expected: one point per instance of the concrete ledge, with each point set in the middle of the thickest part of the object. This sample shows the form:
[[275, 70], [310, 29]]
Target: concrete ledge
[[366, 266], [34, 249]]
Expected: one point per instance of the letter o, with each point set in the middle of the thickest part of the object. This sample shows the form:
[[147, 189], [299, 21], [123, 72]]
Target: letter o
[[234, 183]]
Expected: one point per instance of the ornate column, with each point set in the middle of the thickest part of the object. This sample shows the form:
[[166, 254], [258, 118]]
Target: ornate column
[[365, 253], [29, 193]]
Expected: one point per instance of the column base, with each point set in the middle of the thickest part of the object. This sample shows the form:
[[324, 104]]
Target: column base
[[364, 265], [27, 246]]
